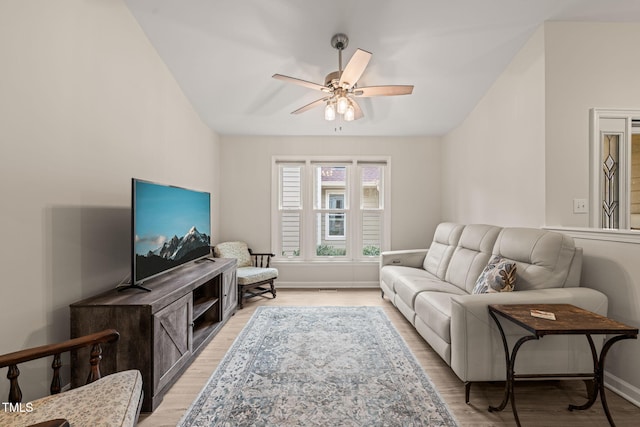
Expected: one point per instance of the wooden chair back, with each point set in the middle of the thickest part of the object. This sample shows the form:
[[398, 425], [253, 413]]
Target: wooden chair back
[[94, 340]]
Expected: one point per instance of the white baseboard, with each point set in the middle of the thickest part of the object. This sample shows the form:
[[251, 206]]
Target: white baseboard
[[622, 388], [326, 285]]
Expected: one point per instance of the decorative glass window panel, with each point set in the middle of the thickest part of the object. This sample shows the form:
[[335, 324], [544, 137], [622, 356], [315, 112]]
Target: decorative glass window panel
[[610, 180]]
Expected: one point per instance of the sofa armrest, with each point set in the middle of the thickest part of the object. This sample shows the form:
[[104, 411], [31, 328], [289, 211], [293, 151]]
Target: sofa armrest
[[476, 349], [407, 258]]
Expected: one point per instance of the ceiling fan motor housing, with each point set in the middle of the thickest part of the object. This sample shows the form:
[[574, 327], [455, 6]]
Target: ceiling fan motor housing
[[332, 79], [340, 41]]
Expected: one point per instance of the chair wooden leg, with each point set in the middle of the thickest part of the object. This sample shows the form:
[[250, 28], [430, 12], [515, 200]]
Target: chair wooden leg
[[247, 291], [240, 297]]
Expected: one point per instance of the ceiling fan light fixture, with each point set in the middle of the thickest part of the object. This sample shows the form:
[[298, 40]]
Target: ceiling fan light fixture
[[329, 112], [342, 104], [350, 113]]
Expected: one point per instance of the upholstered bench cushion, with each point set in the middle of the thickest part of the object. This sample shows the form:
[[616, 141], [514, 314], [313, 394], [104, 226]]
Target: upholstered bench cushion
[[111, 401], [249, 275]]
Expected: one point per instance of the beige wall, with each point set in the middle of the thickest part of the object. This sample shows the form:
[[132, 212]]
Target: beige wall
[[612, 268], [522, 156], [493, 163], [246, 194], [588, 65], [593, 65], [85, 105]]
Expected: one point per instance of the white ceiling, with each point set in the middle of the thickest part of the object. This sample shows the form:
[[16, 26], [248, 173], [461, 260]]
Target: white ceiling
[[224, 52]]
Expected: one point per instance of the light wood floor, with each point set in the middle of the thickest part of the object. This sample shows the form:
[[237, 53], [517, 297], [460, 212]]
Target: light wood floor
[[542, 403]]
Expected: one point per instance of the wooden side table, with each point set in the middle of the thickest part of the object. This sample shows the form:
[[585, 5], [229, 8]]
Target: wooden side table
[[570, 320]]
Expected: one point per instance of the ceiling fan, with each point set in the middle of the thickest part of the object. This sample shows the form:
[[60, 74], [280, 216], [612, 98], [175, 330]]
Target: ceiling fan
[[340, 87]]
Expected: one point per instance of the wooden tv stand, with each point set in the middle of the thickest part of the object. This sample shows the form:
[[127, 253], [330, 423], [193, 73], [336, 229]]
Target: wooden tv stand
[[162, 331]]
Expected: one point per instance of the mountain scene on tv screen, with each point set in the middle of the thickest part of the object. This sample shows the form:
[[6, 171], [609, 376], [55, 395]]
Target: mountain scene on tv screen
[[172, 253]]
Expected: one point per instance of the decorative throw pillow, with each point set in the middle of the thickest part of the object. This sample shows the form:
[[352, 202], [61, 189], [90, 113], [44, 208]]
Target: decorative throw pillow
[[498, 276], [238, 250]]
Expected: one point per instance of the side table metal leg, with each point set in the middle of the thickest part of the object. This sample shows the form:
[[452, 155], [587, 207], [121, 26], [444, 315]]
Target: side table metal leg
[[594, 394], [600, 379], [510, 386], [598, 372], [509, 393]]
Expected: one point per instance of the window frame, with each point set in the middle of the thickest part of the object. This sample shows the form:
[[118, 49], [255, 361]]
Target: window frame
[[353, 210], [619, 123]]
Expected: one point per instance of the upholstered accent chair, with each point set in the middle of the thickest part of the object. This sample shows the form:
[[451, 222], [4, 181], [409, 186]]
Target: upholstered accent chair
[[113, 400], [255, 275]]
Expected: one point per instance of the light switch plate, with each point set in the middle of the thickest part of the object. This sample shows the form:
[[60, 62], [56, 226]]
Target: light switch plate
[[580, 206]]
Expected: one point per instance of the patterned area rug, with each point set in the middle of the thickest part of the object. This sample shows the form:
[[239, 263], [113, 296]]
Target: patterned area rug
[[319, 366]]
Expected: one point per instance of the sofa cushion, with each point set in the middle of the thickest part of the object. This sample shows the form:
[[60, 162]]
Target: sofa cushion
[[498, 276], [445, 240], [434, 309], [471, 255], [389, 274], [543, 258], [110, 401], [408, 287]]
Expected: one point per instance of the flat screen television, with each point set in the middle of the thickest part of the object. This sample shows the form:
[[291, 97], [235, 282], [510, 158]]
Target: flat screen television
[[170, 226]]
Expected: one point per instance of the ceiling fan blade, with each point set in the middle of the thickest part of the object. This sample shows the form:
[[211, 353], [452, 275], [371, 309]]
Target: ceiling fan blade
[[355, 68], [383, 90], [301, 82], [311, 105], [358, 114]]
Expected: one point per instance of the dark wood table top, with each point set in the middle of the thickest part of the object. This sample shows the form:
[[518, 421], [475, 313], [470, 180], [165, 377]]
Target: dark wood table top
[[570, 320]]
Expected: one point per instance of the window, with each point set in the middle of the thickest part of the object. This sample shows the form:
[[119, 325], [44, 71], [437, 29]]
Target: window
[[290, 209], [330, 209], [335, 222], [615, 169]]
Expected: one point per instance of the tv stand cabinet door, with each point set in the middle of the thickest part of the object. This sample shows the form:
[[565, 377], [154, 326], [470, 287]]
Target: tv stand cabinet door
[[172, 341], [229, 293]]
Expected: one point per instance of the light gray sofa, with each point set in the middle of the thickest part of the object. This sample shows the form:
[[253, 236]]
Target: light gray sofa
[[433, 287]]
